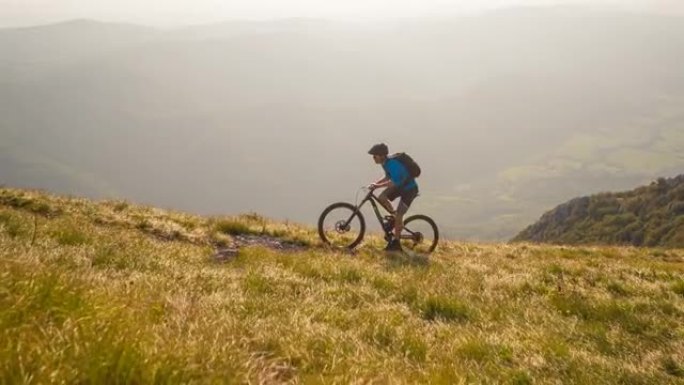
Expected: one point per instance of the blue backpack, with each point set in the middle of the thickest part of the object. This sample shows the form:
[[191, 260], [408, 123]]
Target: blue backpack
[[408, 162]]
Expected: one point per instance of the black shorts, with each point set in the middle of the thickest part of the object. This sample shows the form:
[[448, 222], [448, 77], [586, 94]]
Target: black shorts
[[407, 197]]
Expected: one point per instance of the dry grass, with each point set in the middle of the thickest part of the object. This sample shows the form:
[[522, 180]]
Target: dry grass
[[111, 292]]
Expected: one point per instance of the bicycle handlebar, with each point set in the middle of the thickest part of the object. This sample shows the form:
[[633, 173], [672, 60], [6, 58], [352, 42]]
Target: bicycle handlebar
[[369, 192]]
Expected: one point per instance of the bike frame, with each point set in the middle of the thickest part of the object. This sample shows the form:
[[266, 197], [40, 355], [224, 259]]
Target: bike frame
[[375, 202]]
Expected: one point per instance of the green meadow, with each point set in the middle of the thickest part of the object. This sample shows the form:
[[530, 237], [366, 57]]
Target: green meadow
[[116, 293]]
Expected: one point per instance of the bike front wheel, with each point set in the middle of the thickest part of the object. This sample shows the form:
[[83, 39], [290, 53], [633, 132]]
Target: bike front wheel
[[341, 225], [420, 234]]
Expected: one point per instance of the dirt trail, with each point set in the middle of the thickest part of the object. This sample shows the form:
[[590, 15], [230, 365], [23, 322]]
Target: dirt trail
[[239, 241]]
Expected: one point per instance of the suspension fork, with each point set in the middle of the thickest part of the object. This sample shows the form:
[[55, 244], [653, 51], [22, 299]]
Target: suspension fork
[[357, 211]]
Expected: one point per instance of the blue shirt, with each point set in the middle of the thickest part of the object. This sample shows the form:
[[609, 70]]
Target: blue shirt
[[398, 174]]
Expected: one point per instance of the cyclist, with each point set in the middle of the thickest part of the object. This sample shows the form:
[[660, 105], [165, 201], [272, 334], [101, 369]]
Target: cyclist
[[399, 184]]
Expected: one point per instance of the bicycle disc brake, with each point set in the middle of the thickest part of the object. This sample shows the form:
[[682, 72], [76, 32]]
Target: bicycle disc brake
[[342, 227]]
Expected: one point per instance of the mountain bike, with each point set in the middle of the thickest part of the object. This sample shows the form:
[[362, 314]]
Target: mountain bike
[[343, 225]]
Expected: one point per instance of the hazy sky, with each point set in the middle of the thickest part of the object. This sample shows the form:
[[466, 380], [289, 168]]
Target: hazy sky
[[174, 12]]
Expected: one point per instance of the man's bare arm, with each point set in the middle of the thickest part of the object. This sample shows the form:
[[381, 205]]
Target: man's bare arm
[[384, 182]]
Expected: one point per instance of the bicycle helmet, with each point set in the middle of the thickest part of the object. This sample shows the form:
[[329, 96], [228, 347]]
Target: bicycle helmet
[[379, 149]]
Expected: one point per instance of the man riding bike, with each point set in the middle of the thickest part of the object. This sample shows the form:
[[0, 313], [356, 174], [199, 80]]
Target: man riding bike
[[399, 183]]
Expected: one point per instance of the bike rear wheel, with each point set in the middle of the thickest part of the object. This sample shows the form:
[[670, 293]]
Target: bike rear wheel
[[341, 225], [420, 234]]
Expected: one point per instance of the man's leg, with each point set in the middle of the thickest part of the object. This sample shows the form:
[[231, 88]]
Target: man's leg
[[404, 204], [399, 219], [384, 198]]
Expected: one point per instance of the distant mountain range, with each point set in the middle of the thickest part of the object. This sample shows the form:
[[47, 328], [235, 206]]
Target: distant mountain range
[[508, 113], [651, 215]]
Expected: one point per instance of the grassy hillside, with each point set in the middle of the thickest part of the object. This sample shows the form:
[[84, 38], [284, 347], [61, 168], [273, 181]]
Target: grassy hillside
[[650, 215], [111, 292]]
